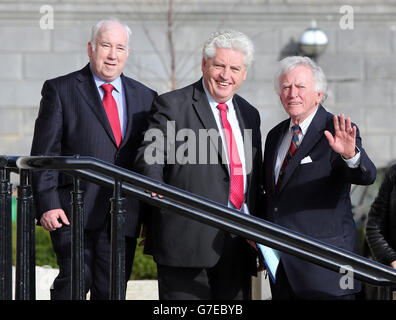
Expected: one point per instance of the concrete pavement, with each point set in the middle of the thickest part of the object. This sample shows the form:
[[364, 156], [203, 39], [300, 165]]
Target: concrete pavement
[[136, 290]]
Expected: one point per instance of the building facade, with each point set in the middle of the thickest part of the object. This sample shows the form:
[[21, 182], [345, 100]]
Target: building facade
[[44, 39]]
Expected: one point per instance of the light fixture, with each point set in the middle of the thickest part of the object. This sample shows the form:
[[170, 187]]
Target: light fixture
[[313, 41]]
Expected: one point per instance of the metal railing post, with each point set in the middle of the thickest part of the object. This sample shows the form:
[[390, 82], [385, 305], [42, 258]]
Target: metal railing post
[[117, 262], [5, 235], [25, 254], [77, 227], [32, 235]]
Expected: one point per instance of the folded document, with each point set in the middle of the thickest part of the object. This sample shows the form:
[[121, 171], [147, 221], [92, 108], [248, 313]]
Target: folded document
[[271, 259]]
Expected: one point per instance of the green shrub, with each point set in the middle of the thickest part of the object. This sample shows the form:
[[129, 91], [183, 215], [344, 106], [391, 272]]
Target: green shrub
[[44, 253], [143, 268]]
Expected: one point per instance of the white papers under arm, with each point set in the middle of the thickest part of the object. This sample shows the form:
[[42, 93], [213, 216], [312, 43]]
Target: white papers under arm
[[271, 259]]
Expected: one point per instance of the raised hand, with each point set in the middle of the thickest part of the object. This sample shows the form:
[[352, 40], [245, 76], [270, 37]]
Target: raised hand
[[344, 140]]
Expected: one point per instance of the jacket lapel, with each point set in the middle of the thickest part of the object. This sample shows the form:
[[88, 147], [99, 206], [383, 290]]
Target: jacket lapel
[[274, 144], [205, 114], [312, 137], [90, 94], [245, 122], [132, 106]]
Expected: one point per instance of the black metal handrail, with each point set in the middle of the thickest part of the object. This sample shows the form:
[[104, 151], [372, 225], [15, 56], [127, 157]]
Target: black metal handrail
[[217, 215], [214, 214]]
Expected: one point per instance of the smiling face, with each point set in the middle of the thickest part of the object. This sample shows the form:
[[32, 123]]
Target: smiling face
[[298, 95], [111, 51], [224, 73]]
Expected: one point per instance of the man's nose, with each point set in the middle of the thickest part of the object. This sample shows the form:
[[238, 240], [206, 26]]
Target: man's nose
[[225, 73], [112, 53], [293, 92]]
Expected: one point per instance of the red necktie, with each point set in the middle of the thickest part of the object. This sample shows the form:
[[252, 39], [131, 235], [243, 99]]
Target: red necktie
[[294, 144], [236, 187], [112, 112]]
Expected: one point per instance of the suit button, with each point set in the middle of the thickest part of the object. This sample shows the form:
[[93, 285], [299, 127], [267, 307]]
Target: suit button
[[275, 209]]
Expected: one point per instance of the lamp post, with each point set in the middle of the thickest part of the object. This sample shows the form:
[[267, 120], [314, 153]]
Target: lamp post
[[313, 41]]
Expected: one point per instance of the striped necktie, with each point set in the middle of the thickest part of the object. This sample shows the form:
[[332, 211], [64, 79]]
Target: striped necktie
[[294, 144]]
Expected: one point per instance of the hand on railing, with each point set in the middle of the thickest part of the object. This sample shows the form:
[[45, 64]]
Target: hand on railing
[[153, 194], [393, 264], [50, 219]]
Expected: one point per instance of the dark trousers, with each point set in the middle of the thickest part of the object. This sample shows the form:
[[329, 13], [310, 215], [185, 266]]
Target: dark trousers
[[97, 250], [229, 279], [282, 290]]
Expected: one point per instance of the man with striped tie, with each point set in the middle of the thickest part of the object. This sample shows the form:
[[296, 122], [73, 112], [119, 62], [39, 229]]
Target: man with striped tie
[[310, 162]]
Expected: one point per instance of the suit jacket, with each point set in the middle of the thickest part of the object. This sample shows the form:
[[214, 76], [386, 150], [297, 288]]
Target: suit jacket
[[313, 199], [172, 239], [71, 121]]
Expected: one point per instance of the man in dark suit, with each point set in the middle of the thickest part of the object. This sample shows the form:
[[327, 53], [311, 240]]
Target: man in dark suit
[[73, 120], [194, 260], [309, 191]]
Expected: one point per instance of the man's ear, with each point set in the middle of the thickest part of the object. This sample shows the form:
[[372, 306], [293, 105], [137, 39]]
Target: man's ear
[[319, 97], [89, 49], [203, 64]]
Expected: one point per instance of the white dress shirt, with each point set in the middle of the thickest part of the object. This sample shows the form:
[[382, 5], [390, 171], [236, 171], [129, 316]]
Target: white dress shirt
[[233, 120], [119, 97]]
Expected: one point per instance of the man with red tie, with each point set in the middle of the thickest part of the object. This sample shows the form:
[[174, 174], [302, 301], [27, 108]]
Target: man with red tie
[[310, 162], [216, 154], [98, 112]]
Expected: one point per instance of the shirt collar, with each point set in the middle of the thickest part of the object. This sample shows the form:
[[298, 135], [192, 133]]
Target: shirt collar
[[212, 102], [117, 83], [305, 124]]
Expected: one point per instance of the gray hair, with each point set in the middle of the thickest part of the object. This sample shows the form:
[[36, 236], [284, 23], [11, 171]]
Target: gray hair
[[229, 39], [288, 64], [107, 24]]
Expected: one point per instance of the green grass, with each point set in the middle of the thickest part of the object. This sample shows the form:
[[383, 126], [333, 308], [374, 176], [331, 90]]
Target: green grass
[[143, 268]]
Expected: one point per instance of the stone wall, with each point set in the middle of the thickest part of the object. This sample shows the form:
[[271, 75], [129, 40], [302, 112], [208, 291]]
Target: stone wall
[[360, 63]]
